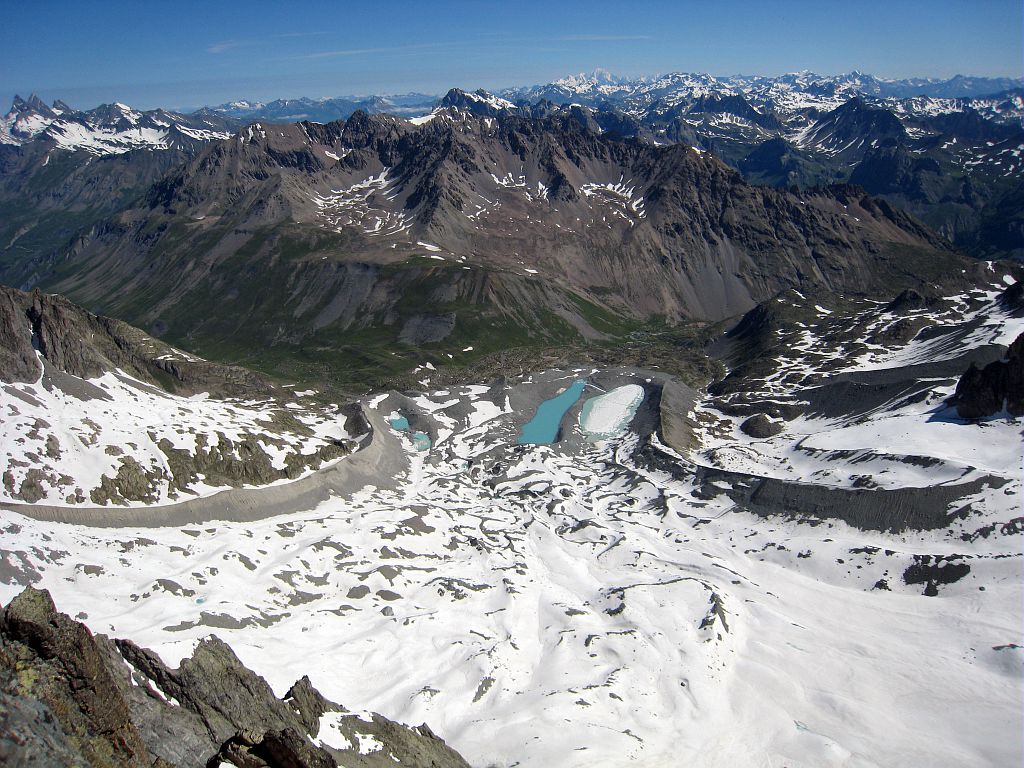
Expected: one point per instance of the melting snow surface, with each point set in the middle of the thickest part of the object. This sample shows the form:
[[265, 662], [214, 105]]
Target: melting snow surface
[[543, 607]]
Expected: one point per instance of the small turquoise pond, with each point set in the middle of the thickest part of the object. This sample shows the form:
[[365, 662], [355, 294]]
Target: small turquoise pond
[[420, 440], [542, 429]]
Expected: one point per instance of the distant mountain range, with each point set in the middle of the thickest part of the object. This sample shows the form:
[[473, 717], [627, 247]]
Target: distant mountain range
[[786, 93], [323, 110], [801, 89]]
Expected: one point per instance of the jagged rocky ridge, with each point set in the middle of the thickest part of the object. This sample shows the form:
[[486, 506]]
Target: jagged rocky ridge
[[71, 698], [948, 152], [488, 230]]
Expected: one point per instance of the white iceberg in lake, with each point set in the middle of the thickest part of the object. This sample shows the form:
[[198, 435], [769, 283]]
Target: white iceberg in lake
[[607, 416]]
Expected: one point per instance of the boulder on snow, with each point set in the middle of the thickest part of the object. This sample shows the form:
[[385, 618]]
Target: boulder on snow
[[761, 427]]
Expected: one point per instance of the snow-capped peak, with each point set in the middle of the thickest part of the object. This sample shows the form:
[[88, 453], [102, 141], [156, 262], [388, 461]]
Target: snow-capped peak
[[477, 102], [587, 81], [107, 129]]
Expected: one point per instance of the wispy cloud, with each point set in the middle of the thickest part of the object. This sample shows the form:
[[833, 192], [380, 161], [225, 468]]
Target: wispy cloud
[[602, 38], [362, 51], [227, 45], [583, 38], [304, 34]]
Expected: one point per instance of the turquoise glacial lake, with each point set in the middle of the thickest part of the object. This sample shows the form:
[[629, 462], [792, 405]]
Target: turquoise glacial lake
[[399, 423], [542, 429], [420, 440]]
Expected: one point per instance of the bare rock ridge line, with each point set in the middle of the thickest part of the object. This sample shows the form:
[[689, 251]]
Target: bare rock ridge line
[[72, 698], [74, 184], [459, 233]]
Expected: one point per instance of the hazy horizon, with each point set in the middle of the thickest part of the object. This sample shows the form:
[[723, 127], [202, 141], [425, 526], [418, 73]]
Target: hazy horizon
[[198, 54], [50, 98]]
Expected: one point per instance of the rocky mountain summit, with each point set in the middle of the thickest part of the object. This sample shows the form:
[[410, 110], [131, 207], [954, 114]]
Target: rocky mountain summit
[[961, 136], [71, 698]]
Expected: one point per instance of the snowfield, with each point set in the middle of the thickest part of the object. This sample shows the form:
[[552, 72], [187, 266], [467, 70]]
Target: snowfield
[[618, 602]]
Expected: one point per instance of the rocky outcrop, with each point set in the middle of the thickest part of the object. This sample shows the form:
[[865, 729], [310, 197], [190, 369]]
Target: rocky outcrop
[[85, 345], [761, 427], [984, 392], [233, 463], [1012, 299], [17, 357], [70, 698], [56, 662], [933, 571]]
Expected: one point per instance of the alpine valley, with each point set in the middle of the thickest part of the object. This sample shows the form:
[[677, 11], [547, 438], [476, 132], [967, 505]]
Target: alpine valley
[[606, 422]]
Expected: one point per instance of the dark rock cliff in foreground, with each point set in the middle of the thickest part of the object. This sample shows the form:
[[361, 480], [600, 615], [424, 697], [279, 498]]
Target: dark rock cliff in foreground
[[71, 698]]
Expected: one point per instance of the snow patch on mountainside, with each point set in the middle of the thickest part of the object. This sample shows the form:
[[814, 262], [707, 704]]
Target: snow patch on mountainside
[[357, 205], [60, 438]]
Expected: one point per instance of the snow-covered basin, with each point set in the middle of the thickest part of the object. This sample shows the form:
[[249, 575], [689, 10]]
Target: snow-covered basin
[[606, 416], [672, 630]]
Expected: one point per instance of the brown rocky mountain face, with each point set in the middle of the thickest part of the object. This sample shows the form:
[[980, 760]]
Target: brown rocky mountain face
[[48, 195], [84, 345], [339, 242]]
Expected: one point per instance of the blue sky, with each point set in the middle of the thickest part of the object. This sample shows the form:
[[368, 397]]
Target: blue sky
[[189, 53]]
